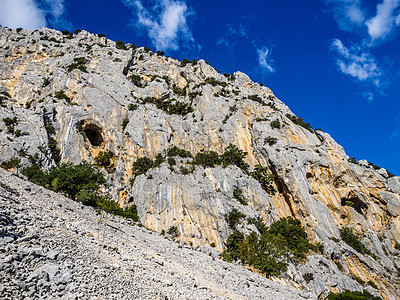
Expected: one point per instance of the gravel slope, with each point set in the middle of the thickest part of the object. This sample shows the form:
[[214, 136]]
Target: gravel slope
[[49, 248]]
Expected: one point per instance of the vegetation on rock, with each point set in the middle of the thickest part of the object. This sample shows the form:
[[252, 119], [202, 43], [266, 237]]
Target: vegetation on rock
[[270, 250], [350, 295], [351, 239]]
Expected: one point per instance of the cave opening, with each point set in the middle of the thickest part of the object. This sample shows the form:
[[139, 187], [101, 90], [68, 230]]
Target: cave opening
[[92, 132]]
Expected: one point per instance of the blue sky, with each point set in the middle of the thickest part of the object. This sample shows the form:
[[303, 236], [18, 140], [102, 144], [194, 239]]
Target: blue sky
[[335, 63]]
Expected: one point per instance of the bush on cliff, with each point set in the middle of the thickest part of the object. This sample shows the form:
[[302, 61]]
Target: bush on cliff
[[81, 183], [270, 250]]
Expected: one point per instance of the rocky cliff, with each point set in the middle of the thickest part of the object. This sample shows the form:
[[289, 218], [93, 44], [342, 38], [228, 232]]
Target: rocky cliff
[[88, 95]]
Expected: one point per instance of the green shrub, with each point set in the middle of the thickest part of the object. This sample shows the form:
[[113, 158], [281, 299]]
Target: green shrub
[[104, 158], [397, 245], [270, 140], [136, 80], [207, 159], [170, 106], [79, 63], [174, 231], [159, 160], [256, 98], [180, 108], [351, 295], [112, 207], [87, 197], [80, 181], [214, 82], [120, 45], [10, 121], [101, 35], [232, 245], [294, 234], [260, 174], [186, 171], [234, 156], [348, 236], [46, 82], [184, 62], [270, 251], [62, 96], [175, 151], [171, 161], [234, 217], [160, 53], [372, 284], [358, 279], [300, 122], [179, 91], [124, 123], [70, 179], [35, 174], [238, 195], [308, 277], [12, 163], [133, 106], [146, 49], [141, 166], [54, 150], [275, 124]]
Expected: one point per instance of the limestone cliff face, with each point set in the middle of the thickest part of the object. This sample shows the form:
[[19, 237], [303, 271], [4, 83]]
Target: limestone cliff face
[[102, 109]]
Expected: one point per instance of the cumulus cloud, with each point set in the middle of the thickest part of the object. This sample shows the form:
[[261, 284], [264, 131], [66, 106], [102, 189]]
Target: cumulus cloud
[[31, 14], [357, 62], [166, 22], [264, 59], [21, 13], [350, 16], [385, 20]]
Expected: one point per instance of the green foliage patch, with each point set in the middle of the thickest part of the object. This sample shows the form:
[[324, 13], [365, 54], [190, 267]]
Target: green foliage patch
[[238, 195], [352, 295], [175, 151], [215, 82], [300, 122], [270, 250], [142, 165], [62, 96], [120, 45], [170, 106], [79, 182], [79, 63], [351, 239], [104, 158], [174, 231]]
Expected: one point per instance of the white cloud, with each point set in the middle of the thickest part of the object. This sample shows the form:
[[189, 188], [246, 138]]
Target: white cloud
[[31, 14], [264, 59], [357, 62], [21, 13], [348, 13], [54, 10], [165, 22], [385, 20]]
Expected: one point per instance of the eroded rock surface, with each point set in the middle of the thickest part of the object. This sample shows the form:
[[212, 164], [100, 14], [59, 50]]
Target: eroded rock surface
[[109, 103]]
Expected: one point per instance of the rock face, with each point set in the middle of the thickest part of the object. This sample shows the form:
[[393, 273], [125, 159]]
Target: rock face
[[90, 97]]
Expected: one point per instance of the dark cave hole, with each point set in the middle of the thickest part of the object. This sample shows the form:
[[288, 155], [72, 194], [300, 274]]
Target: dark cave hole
[[92, 132], [356, 203]]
